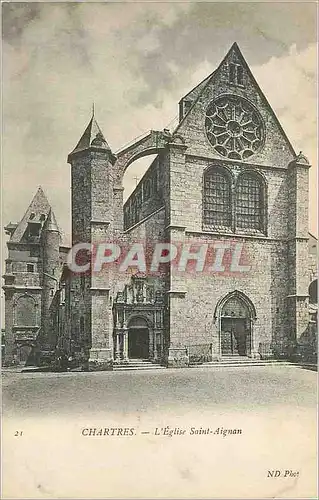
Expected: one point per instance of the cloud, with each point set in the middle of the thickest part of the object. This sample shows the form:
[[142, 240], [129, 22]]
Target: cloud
[[205, 31], [15, 18], [289, 83], [291, 88]]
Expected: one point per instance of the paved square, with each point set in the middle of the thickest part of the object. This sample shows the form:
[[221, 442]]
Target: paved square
[[168, 390]]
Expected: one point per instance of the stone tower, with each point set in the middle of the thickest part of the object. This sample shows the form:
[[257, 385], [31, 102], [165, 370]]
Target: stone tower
[[92, 222], [50, 244], [31, 279]]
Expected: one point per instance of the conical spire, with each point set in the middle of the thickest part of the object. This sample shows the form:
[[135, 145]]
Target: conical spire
[[50, 222], [92, 137]]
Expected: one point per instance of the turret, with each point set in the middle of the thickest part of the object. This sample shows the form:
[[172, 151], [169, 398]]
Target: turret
[[92, 181], [50, 242], [93, 202]]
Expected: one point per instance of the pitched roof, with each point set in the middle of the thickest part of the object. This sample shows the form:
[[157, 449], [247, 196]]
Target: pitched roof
[[36, 212], [192, 94], [91, 138]]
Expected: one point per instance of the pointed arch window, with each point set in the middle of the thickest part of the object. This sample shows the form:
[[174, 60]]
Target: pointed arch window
[[217, 203], [250, 202], [81, 327]]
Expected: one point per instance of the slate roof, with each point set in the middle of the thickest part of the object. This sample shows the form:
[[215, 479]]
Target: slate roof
[[91, 138]]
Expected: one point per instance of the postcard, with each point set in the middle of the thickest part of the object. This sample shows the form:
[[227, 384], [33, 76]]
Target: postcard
[[159, 255]]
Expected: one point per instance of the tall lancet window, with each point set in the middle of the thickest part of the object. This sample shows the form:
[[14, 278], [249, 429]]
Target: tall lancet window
[[250, 202], [217, 211]]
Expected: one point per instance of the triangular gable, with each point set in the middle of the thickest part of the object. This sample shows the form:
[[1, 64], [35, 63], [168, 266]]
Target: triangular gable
[[217, 84], [36, 212]]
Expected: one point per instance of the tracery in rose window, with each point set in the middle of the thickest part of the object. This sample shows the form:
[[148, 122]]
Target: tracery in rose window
[[234, 127]]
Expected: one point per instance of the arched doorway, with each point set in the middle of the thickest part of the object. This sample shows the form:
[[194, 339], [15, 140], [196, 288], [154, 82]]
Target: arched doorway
[[138, 338], [236, 325]]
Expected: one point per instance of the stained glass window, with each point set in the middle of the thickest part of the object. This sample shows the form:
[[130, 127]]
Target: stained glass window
[[217, 199], [234, 127], [249, 203]]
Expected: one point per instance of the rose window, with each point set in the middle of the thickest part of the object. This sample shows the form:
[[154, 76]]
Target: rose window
[[234, 127]]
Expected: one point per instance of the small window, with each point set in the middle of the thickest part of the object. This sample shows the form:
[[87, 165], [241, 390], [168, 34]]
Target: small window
[[30, 268], [51, 292], [126, 218], [62, 295], [82, 283], [240, 75], [42, 217], [236, 74], [147, 189], [134, 212], [155, 184], [32, 215], [139, 199], [34, 230], [82, 327], [232, 73]]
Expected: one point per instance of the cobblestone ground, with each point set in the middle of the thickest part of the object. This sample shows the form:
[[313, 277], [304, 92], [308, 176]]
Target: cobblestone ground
[[207, 388]]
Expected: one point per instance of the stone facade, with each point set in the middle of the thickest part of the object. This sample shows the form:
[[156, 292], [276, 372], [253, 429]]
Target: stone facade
[[31, 283], [227, 128]]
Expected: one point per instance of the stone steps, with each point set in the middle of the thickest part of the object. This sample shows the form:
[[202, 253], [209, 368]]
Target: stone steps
[[232, 361], [136, 364], [34, 369]]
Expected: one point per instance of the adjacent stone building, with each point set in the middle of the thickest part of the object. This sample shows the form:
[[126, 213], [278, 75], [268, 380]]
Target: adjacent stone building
[[31, 283], [226, 180]]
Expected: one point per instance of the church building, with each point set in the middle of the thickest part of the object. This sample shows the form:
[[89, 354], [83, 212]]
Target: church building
[[226, 178]]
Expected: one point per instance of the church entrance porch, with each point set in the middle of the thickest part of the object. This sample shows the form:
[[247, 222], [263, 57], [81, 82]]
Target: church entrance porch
[[235, 337], [138, 343], [236, 315], [138, 318]]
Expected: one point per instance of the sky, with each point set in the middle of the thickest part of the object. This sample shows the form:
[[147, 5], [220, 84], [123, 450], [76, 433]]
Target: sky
[[135, 61]]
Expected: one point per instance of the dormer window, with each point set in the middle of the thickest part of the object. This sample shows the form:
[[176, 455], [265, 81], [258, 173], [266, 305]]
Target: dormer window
[[236, 74], [33, 230]]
